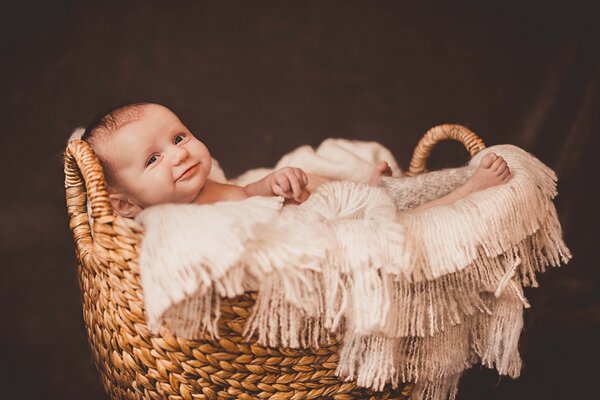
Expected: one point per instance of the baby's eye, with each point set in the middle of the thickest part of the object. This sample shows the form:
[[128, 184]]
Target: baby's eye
[[179, 138], [151, 160]]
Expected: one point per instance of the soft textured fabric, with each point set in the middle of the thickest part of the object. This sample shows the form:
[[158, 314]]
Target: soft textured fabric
[[411, 295]]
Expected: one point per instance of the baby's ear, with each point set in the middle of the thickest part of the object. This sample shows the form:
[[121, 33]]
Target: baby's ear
[[123, 206]]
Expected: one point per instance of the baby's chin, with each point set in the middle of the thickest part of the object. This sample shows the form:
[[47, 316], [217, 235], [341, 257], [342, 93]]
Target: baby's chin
[[194, 194]]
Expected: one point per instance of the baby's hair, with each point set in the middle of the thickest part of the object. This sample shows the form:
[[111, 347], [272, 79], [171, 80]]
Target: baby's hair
[[110, 121], [102, 126]]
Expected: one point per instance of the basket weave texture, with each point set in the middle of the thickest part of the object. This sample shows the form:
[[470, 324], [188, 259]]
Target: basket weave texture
[[135, 364]]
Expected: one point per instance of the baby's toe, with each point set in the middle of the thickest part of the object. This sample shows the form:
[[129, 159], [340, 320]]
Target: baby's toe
[[501, 168], [498, 163], [386, 169], [382, 166], [488, 160]]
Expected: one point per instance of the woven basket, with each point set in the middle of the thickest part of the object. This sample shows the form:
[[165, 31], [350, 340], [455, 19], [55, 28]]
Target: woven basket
[[135, 364]]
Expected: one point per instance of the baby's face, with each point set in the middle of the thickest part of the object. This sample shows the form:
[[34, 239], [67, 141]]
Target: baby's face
[[157, 160]]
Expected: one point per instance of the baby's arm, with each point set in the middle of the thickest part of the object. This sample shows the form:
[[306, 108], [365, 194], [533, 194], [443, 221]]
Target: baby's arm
[[295, 185], [380, 169], [288, 182]]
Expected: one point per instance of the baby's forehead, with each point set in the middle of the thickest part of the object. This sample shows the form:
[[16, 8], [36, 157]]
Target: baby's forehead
[[133, 133], [109, 149], [119, 147]]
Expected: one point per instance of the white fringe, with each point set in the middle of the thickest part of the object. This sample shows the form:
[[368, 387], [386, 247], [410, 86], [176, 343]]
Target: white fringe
[[174, 268], [413, 296], [495, 336], [490, 338], [440, 389]]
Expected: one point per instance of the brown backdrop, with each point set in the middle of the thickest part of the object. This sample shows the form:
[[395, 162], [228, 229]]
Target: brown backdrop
[[254, 80]]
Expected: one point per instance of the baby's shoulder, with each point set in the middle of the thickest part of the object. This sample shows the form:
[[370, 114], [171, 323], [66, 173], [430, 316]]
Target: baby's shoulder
[[213, 192]]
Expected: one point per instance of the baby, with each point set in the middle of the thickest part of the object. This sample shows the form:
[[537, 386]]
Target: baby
[[149, 157]]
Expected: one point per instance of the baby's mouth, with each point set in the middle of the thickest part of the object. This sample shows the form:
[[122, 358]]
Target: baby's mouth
[[187, 173]]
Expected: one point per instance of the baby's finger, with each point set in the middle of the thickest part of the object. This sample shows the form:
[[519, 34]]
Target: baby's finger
[[281, 186], [277, 191], [301, 175], [304, 178], [295, 185], [284, 182]]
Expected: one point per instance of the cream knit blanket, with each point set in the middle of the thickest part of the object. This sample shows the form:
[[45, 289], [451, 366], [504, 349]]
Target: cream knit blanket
[[412, 296]]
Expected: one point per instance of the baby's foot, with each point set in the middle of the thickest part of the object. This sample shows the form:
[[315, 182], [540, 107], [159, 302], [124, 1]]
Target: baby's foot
[[492, 171], [381, 169]]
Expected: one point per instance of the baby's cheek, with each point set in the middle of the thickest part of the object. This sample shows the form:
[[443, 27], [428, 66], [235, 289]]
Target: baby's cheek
[[153, 193]]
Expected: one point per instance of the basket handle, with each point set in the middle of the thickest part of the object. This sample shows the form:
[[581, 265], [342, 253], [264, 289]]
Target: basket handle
[[84, 179], [470, 140]]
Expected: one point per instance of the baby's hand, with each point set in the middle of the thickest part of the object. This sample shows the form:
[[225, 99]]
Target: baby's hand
[[288, 182]]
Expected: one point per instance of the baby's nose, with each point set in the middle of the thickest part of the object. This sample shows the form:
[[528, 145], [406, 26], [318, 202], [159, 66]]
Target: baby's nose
[[178, 154]]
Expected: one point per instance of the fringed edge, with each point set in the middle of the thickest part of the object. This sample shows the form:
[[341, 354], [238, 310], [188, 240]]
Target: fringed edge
[[495, 336], [332, 259], [447, 239], [375, 361], [178, 279], [197, 315], [433, 362], [275, 321], [427, 307], [441, 389], [194, 317], [367, 256], [368, 248]]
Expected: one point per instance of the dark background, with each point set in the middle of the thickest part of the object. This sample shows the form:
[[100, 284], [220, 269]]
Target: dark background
[[255, 80]]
